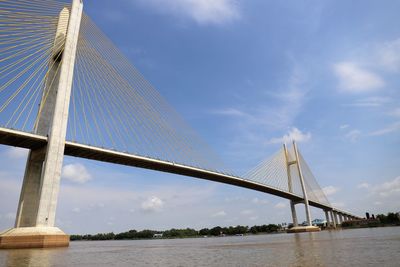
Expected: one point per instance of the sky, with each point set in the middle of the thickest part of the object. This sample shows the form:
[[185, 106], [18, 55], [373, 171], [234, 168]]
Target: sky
[[247, 76]]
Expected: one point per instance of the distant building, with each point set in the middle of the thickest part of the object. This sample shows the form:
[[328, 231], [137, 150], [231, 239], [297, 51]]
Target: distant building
[[158, 235], [319, 222]]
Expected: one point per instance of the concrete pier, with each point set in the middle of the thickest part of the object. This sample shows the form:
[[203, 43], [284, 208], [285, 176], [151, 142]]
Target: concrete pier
[[333, 219], [34, 225]]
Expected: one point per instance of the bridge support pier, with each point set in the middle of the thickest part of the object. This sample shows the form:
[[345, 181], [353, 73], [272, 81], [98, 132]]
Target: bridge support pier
[[328, 224], [335, 216], [333, 219], [35, 219], [294, 215]]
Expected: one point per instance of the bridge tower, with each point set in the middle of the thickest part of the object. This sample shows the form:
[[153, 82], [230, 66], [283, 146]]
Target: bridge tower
[[35, 218], [290, 186], [296, 161]]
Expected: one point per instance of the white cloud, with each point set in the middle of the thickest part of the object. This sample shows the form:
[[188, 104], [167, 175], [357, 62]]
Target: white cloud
[[390, 188], [76, 173], [247, 212], [219, 214], [280, 205], [354, 79], [363, 185], [294, 134], [353, 135], [152, 204], [389, 129], [97, 206], [256, 200], [17, 153], [395, 112], [389, 55], [330, 190], [252, 125], [201, 11], [385, 194], [76, 210], [344, 126], [229, 112], [371, 102], [290, 100]]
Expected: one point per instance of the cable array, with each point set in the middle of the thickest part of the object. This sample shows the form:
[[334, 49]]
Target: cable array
[[114, 107], [314, 191], [27, 30], [271, 172]]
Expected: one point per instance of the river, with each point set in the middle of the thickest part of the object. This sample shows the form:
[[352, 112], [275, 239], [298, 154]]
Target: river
[[355, 247]]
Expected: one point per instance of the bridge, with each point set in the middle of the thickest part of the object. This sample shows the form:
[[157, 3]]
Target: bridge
[[65, 89]]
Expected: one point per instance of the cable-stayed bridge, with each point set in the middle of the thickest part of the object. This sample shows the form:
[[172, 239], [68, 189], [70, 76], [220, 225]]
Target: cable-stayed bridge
[[65, 89]]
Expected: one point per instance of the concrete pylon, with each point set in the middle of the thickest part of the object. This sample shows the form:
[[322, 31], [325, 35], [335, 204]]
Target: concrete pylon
[[34, 225], [303, 186], [290, 187], [289, 162]]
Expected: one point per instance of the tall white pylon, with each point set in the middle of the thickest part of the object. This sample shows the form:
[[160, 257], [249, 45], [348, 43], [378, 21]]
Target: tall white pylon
[[296, 161], [34, 225], [290, 186]]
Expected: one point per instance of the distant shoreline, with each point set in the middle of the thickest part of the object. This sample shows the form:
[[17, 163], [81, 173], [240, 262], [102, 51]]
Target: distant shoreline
[[182, 233]]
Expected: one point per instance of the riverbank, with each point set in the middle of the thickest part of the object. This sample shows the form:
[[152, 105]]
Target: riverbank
[[182, 233]]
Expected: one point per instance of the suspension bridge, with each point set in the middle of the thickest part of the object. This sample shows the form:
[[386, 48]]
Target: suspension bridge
[[65, 89]]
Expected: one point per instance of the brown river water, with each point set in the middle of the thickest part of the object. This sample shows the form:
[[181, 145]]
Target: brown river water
[[356, 247]]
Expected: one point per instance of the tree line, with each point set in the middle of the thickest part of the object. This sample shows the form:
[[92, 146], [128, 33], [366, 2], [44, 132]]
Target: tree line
[[181, 233], [390, 219]]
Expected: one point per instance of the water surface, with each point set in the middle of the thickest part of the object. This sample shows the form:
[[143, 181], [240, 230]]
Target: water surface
[[357, 247]]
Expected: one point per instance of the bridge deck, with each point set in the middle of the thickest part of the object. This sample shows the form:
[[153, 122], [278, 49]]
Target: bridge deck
[[33, 141]]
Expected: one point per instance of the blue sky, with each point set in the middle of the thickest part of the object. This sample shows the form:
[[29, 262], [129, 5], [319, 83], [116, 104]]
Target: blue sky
[[246, 75]]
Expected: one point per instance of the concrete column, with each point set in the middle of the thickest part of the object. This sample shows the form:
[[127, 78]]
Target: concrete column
[[39, 194], [294, 215], [303, 186], [327, 219], [56, 141], [336, 218], [333, 219], [341, 218], [30, 193]]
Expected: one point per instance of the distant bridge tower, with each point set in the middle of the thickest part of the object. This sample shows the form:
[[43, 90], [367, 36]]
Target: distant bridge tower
[[34, 225]]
